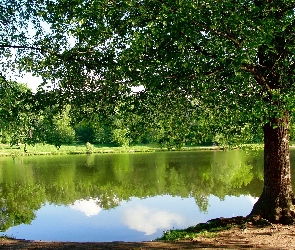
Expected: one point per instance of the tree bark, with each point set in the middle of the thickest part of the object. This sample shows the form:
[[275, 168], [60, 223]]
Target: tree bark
[[276, 201]]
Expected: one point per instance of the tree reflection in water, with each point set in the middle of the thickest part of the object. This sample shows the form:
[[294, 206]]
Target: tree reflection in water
[[106, 180]]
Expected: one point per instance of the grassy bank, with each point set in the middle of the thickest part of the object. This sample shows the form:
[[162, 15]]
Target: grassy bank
[[212, 227], [46, 149]]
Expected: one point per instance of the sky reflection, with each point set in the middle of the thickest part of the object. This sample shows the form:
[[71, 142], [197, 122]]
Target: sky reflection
[[133, 220], [88, 207], [149, 220]]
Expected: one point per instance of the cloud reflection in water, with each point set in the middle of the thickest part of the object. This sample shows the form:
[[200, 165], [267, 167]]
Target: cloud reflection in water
[[88, 207], [148, 220]]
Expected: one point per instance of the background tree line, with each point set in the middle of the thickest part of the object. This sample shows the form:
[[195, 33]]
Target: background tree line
[[26, 121]]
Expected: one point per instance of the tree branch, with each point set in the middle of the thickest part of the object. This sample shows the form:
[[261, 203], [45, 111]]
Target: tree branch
[[226, 35], [20, 47], [291, 69], [260, 79], [5, 80], [197, 47], [217, 70], [209, 73], [287, 8]]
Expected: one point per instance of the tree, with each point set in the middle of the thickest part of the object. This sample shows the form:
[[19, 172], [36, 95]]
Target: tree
[[53, 126], [84, 132], [171, 122], [15, 112], [235, 58]]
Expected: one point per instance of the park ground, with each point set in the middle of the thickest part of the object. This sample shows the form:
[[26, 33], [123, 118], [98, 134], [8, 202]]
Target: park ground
[[252, 237], [88, 148], [46, 149]]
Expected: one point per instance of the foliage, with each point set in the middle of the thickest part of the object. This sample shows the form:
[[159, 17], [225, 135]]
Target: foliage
[[20, 204], [214, 62], [93, 132], [84, 132], [103, 135], [120, 137], [51, 124], [54, 126], [15, 112], [233, 60], [62, 131]]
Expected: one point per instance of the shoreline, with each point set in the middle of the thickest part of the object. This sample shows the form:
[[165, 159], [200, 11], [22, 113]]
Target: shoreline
[[269, 237], [6, 150]]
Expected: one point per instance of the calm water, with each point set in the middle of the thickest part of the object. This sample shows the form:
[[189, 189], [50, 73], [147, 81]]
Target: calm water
[[124, 197]]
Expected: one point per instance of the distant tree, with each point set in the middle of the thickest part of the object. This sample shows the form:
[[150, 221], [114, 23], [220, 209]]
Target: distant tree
[[84, 132], [102, 134], [54, 127], [15, 112]]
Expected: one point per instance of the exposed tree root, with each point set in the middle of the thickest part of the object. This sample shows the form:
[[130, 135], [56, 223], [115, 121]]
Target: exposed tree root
[[282, 210], [224, 223]]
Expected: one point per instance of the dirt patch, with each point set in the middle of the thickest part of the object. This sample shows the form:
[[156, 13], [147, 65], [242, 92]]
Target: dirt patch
[[270, 237]]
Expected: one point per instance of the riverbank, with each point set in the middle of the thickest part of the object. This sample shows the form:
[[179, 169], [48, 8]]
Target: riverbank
[[46, 149], [270, 237]]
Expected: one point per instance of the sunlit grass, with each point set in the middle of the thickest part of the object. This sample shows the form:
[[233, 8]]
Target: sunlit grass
[[41, 149], [88, 148], [192, 233]]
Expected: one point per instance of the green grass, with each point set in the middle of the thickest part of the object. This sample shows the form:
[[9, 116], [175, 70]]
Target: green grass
[[46, 149], [212, 227], [87, 148], [192, 232]]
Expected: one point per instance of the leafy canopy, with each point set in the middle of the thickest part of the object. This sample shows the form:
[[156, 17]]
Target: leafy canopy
[[233, 59]]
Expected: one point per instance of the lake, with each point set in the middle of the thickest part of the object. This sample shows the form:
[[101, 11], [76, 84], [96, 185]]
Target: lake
[[124, 197]]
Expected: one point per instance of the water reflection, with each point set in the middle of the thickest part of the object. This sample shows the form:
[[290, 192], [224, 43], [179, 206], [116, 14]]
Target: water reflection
[[88, 207], [123, 197], [149, 221]]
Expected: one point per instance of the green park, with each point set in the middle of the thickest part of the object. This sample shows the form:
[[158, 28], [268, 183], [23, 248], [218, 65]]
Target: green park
[[138, 99]]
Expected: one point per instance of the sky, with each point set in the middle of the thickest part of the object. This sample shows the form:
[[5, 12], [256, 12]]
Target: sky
[[31, 81]]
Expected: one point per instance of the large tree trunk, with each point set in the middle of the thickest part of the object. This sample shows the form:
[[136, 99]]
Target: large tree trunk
[[276, 201]]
